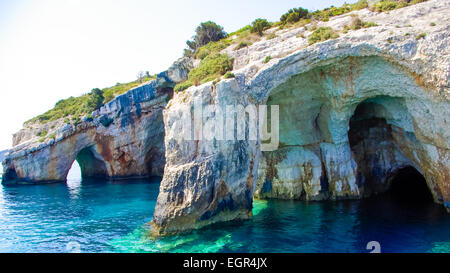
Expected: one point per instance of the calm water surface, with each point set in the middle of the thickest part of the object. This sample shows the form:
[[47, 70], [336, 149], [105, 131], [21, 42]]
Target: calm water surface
[[100, 216]]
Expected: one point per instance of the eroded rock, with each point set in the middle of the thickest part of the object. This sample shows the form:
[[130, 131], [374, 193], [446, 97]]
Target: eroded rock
[[353, 111]]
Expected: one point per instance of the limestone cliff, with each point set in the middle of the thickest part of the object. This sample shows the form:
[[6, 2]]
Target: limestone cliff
[[124, 139], [2, 155], [353, 111]]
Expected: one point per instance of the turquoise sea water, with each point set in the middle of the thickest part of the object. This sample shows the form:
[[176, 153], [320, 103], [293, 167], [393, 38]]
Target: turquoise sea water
[[100, 216]]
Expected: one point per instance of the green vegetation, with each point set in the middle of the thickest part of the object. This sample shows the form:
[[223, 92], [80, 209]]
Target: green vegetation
[[388, 5], [294, 15], [182, 86], [267, 59], [42, 133], [420, 36], [432, 24], [271, 36], [208, 42], [322, 34], [205, 33], [211, 48], [240, 31], [95, 99], [303, 15], [210, 68], [242, 45], [357, 23], [52, 136], [110, 93], [259, 25], [228, 75], [76, 107]]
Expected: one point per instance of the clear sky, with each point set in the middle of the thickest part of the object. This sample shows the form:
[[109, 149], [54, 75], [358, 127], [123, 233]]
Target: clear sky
[[53, 49]]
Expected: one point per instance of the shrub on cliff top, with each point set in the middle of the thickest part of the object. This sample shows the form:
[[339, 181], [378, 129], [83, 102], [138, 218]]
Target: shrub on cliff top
[[206, 32], [211, 48], [322, 34], [294, 15], [387, 5], [85, 104], [182, 86], [210, 68], [259, 25], [95, 99]]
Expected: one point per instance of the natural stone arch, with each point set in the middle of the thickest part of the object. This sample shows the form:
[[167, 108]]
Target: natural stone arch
[[91, 163]]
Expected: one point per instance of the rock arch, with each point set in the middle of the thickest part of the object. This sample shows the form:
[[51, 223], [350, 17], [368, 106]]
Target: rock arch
[[92, 164], [113, 144]]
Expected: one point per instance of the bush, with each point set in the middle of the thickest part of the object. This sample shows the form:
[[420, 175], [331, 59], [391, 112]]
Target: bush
[[240, 31], [357, 23], [228, 75], [42, 133], [211, 48], [271, 36], [387, 5], [259, 25], [361, 4], [242, 45], [267, 59], [182, 86], [95, 99], [89, 118], [322, 34], [294, 15], [210, 68], [420, 36], [206, 32]]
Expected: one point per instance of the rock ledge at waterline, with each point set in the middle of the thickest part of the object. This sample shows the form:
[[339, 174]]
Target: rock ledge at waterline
[[353, 112]]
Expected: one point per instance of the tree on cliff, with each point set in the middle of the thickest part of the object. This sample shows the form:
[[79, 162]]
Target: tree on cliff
[[206, 32], [259, 25], [95, 99], [294, 15]]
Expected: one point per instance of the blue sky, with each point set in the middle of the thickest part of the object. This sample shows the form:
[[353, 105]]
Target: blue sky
[[53, 49]]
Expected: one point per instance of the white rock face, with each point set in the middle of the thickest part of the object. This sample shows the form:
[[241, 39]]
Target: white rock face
[[353, 112], [123, 140]]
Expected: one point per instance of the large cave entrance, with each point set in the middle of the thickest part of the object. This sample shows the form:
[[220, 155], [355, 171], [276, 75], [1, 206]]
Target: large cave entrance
[[382, 168]]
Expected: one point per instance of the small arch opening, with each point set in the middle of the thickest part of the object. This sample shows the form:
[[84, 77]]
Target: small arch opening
[[87, 165], [409, 185], [74, 172]]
